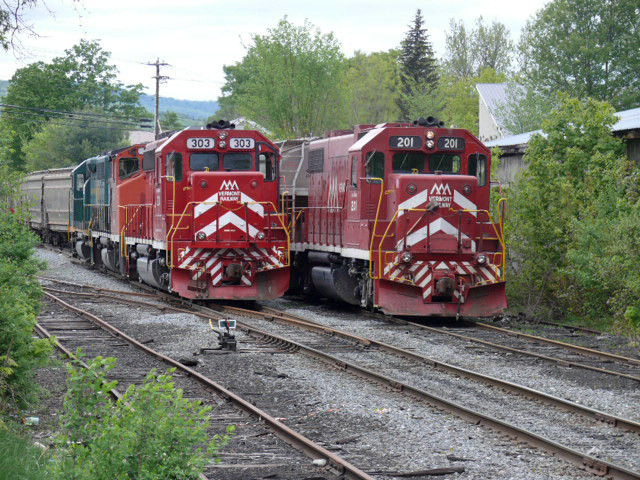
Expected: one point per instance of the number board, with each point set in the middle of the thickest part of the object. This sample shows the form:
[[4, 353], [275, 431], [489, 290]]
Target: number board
[[412, 141], [201, 143], [451, 143], [239, 143]]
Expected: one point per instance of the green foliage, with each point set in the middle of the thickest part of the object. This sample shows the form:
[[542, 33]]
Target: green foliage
[[58, 145], [290, 81], [372, 88], [170, 121], [151, 432], [454, 101], [20, 459], [20, 353], [418, 65], [469, 52], [575, 217], [81, 79], [586, 47]]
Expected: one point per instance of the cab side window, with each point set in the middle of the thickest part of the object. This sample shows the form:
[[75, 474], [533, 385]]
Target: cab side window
[[174, 166], [375, 165], [354, 171], [267, 165], [478, 165], [129, 167]]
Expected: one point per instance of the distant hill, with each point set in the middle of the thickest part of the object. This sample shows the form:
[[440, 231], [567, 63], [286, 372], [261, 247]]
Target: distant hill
[[191, 112], [187, 109]]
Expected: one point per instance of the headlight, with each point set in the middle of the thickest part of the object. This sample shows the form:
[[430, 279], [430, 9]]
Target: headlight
[[204, 184], [406, 257], [467, 189], [222, 135], [481, 259], [222, 144], [430, 144], [201, 236], [430, 134], [411, 188], [260, 235]]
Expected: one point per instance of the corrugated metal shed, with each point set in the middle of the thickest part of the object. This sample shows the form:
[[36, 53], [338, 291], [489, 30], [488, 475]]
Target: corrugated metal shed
[[629, 120], [493, 95]]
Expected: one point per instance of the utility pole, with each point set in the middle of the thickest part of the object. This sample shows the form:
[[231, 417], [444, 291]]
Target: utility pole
[[159, 78]]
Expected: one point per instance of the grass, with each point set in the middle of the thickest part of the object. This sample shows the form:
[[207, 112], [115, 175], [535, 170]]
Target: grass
[[19, 458]]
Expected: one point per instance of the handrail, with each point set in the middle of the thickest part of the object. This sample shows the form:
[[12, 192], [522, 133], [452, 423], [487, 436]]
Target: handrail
[[499, 235], [172, 231], [375, 226]]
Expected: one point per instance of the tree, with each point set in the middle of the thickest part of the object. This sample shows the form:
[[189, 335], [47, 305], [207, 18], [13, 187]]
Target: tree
[[525, 108], [576, 173], [454, 101], [13, 23], [470, 52], [418, 65], [290, 81], [61, 145], [80, 79], [373, 88], [586, 47], [170, 121]]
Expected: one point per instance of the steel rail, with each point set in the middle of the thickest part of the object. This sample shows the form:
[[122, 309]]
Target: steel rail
[[497, 346], [610, 420], [281, 430], [282, 317], [97, 289], [577, 348], [579, 459]]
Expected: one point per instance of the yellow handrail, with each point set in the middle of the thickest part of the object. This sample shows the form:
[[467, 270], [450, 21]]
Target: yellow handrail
[[375, 226]]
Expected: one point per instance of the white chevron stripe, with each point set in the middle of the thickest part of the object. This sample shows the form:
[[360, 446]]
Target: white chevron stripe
[[439, 224], [210, 202], [413, 202], [424, 270], [426, 280], [245, 280], [464, 202], [224, 220], [426, 293], [190, 259]]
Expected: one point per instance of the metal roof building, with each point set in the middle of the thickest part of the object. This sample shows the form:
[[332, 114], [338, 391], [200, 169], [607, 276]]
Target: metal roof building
[[492, 96], [514, 146]]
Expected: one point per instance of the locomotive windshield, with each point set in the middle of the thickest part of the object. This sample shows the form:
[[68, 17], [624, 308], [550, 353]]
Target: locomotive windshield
[[407, 162], [205, 162], [444, 162], [237, 161]]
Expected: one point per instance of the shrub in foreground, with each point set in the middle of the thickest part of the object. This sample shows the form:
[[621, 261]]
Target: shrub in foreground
[[152, 432]]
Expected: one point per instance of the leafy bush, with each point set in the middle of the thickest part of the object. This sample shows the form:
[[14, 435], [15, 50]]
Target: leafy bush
[[20, 353], [574, 224], [151, 432]]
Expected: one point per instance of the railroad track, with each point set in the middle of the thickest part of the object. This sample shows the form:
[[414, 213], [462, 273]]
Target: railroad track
[[75, 327], [317, 348]]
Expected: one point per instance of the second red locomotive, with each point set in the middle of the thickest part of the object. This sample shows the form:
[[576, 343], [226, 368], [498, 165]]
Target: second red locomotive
[[397, 217]]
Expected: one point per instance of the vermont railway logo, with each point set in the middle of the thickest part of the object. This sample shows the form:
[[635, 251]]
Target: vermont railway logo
[[229, 185], [440, 189]]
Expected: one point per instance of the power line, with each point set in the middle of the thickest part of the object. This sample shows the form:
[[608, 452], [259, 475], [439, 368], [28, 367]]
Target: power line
[[86, 114], [46, 116], [71, 122]]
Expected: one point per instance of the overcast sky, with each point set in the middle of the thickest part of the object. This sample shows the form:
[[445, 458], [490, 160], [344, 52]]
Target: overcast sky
[[198, 37]]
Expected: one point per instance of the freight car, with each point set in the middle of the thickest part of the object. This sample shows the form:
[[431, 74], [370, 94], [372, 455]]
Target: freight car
[[196, 213], [397, 217]]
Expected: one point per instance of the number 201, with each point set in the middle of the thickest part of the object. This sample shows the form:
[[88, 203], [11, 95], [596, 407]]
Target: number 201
[[450, 143], [405, 142]]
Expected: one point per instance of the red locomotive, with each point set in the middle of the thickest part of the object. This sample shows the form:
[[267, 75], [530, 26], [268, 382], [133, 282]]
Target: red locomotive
[[397, 217], [209, 226], [196, 213]]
